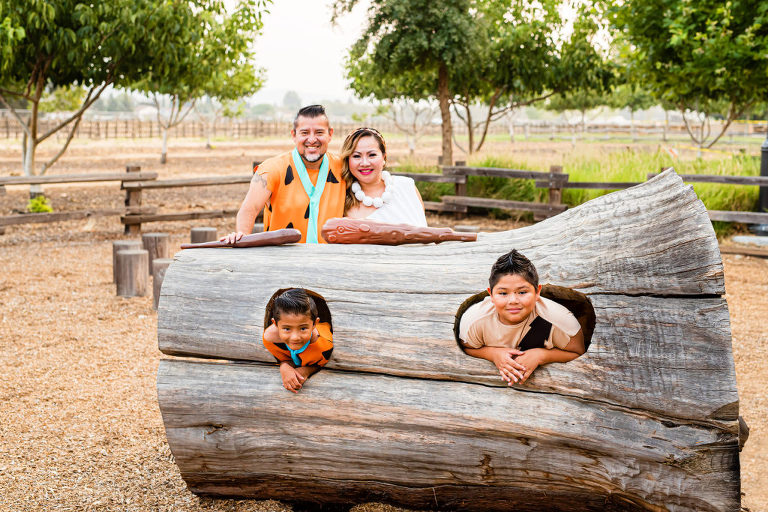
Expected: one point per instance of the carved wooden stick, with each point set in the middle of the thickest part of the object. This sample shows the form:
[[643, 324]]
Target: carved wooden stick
[[277, 237], [361, 231]]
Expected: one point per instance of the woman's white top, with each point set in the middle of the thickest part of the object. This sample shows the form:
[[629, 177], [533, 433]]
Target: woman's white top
[[404, 207]]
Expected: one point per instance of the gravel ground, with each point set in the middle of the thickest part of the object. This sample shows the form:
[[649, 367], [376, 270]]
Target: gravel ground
[[81, 429]]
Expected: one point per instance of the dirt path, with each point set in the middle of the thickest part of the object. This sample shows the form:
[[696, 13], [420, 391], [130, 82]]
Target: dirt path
[[80, 426]]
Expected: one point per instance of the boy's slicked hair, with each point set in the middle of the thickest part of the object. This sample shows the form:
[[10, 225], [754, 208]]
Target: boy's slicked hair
[[310, 111], [294, 301], [516, 264]]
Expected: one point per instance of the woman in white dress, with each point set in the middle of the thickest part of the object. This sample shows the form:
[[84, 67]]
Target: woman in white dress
[[372, 192]]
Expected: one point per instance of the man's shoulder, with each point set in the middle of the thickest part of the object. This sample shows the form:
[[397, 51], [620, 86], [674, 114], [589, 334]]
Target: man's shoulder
[[277, 163], [334, 161]]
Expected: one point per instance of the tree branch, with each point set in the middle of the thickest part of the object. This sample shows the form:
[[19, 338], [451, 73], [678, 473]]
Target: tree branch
[[16, 115], [731, 118], [53, 160], [159, 118], [90, 99], [688, 128]]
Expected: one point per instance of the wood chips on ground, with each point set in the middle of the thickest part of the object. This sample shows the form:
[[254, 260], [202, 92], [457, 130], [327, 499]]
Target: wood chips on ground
[[80, 427]]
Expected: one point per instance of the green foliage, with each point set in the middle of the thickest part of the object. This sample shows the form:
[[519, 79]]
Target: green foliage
[[122, 102], [698, 55], [162, 46], [500, 54], [67, 98], [618, 166], [39, 204], [631, 96], [582, 101]]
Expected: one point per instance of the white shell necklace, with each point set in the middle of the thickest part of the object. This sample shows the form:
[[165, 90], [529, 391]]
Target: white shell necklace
[[376, 202]]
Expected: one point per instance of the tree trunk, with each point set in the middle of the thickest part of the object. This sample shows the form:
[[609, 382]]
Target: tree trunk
[[633, 133], [444, 96], [164, 150], [645, 420], [666, 125]]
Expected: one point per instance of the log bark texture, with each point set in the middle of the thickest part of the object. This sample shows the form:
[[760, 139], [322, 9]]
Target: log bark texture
[[159, 268], [645, 420]]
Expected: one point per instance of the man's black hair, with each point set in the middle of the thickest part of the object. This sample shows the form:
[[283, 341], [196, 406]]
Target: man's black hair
[[294, 301], [310, 111], [516, 264]]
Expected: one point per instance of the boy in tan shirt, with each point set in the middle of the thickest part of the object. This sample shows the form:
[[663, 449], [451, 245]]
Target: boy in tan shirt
[[517, 329]]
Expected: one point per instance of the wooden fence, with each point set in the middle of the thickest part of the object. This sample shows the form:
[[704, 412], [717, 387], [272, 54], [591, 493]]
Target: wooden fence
[[240, 128], [133, 181]]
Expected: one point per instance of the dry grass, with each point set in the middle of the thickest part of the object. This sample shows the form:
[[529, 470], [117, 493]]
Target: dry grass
[[81, 429]]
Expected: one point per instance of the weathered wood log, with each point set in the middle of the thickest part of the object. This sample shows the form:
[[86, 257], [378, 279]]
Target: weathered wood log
[[121, 245], [132, 273], [158, 245], [645, 420], [199, 235], [159, 267]]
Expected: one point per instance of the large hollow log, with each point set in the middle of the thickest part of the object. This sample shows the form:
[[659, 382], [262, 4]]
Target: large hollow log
[[646, 419]]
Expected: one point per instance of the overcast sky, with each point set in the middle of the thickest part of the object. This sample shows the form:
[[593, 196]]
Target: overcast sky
[[302, 51]]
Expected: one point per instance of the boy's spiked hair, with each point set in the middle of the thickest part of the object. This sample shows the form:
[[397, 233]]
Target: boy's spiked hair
[[513, 263], [294, 301]]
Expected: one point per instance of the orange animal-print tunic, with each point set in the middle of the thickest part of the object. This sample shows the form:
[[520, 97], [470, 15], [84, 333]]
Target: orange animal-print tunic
[[317, 353], [288, 205]]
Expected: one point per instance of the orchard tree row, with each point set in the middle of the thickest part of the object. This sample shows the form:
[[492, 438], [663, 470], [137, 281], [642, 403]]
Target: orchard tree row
[[705, 58], [55, 52]]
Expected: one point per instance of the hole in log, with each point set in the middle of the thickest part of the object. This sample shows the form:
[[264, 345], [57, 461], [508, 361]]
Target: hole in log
[[576, 302], [322, 307]]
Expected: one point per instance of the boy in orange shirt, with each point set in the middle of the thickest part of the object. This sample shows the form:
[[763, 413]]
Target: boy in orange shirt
[[517, 329], [297, 338]]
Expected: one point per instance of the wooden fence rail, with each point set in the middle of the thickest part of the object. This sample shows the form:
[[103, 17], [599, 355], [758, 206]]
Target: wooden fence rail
[[133, 181]]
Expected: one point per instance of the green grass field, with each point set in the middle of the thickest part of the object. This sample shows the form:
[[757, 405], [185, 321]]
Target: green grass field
[[595, 164]]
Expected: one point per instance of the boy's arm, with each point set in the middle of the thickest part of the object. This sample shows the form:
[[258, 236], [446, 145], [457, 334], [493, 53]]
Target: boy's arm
[[505, 359], [307, 371], [292, 377], [535, 357]]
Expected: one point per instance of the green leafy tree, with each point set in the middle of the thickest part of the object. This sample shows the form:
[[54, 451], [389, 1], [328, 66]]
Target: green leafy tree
[[47, 45], [581, 101], [503, 55], [633, 97], [410, 118], [216, 62], [63, 99], [522, 59], [706, 57], [410, 49]]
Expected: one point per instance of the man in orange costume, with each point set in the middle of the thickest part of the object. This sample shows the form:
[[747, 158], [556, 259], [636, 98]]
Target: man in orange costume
[[302, 188]]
